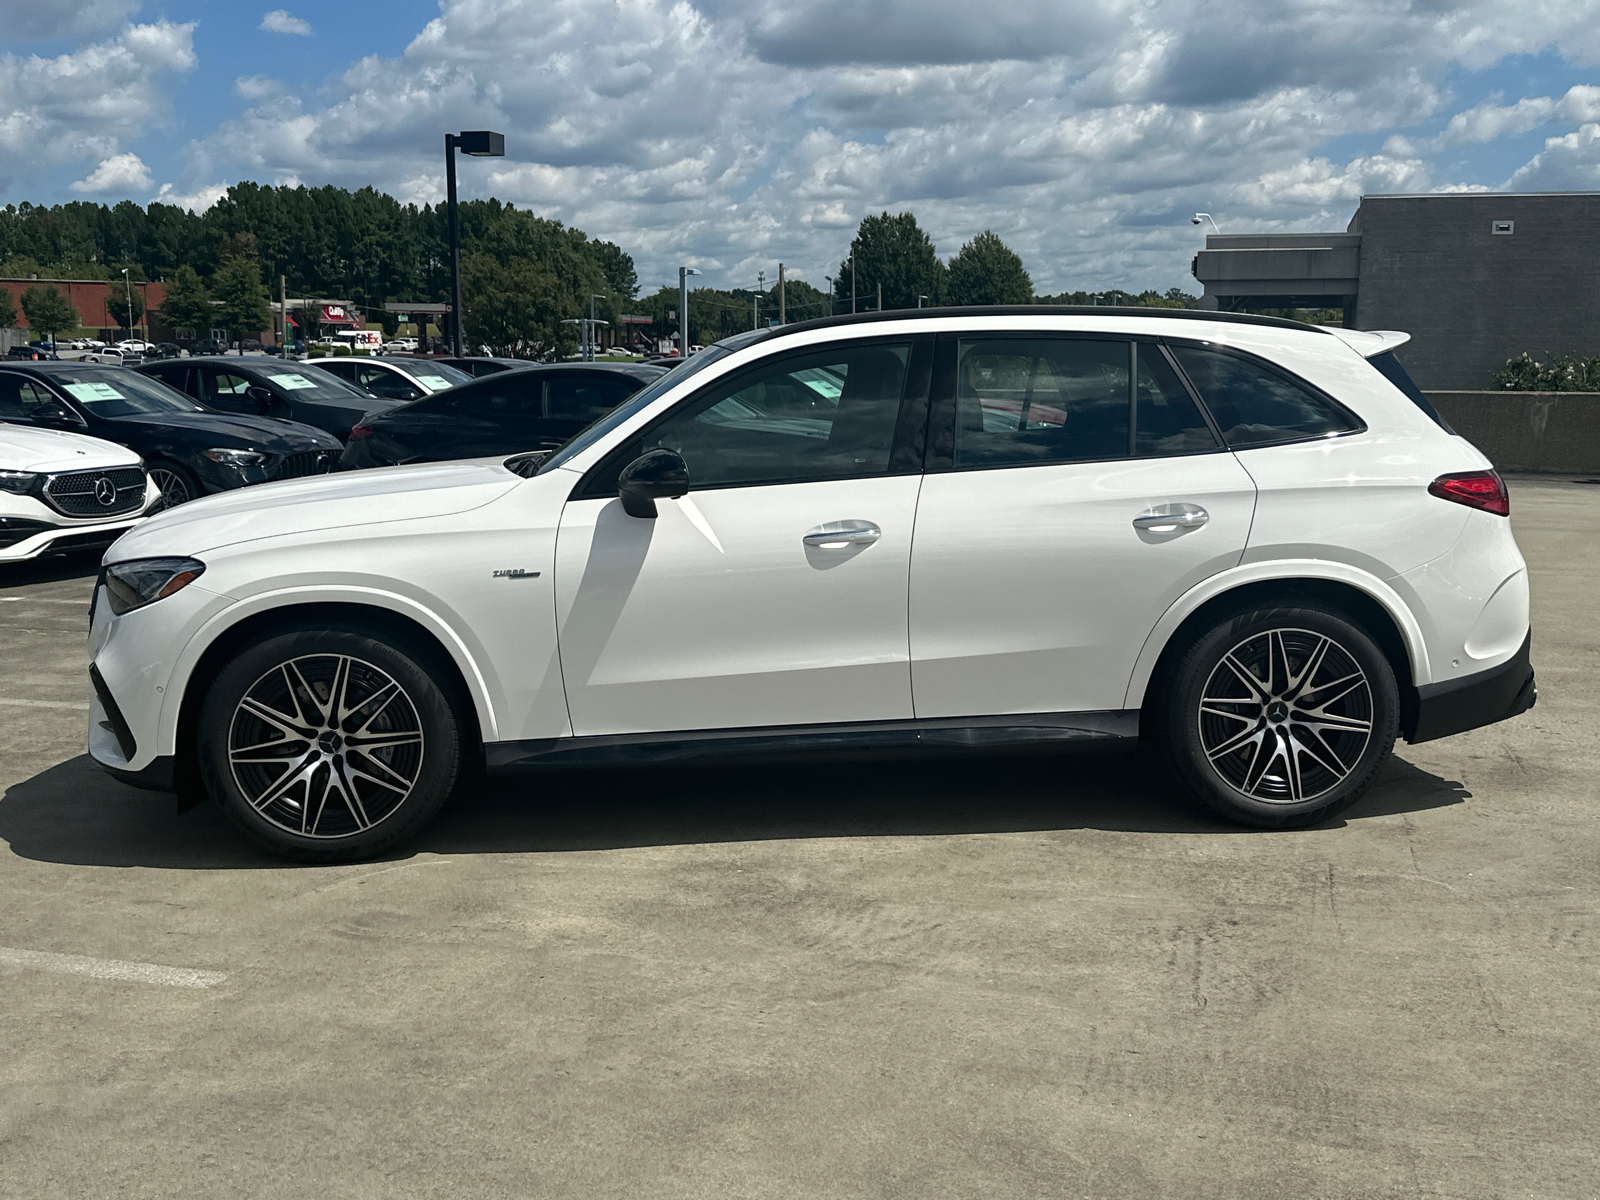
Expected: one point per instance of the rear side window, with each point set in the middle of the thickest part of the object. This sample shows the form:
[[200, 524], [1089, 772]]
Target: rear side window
[[517, 394], [1255, 405], [586, 397], [1039, 401], [1389, 367]]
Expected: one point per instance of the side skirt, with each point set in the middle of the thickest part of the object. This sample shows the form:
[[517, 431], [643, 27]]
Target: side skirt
[[1086, 730]]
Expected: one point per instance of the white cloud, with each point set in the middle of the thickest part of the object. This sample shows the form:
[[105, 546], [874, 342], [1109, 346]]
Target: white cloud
[[84, 104], [256, 87], [27, 20], [281, 21], [196, 201], [119, 173], [735, 133]]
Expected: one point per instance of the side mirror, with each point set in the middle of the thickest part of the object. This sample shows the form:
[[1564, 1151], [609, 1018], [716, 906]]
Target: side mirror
[[409, 394], [263, 398], [654, 475], [54, 415]]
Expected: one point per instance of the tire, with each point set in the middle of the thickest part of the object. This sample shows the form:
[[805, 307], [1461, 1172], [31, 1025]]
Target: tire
[[1279, 718], [351, 761], [177, 483]]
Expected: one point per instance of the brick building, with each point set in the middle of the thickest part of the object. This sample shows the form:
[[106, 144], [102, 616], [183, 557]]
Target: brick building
[[90, 298]]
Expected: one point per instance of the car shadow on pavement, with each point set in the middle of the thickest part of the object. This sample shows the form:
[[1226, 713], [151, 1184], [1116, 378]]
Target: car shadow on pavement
[[50, 569], [73, 813]]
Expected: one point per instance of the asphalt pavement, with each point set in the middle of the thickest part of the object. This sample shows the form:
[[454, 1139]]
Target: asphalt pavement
[[994, 976]]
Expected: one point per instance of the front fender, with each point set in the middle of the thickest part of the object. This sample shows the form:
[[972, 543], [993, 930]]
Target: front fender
[[1284, 571]]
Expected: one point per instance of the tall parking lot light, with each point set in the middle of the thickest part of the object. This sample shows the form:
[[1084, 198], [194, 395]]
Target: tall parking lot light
[[683, 309], [479, 143]]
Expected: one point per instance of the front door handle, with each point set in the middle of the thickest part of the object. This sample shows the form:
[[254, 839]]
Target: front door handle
[[838, 534], [1164, 518]]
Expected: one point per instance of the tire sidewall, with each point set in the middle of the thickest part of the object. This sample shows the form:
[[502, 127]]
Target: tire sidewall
[[440, 727], [1179, 715]]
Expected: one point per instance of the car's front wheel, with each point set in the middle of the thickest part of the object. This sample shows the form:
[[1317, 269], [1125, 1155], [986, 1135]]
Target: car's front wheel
[[1279, 717], [325, 745]]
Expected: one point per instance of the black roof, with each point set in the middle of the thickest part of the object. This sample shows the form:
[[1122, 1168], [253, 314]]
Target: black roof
[[1030, 310]]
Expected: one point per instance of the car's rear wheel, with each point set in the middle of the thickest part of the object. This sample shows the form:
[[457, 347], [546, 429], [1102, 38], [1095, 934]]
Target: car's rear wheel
[[1279, 717], [177, 483], [325, 745]]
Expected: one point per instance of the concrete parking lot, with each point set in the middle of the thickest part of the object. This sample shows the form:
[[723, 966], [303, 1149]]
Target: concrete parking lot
[[999, 976]]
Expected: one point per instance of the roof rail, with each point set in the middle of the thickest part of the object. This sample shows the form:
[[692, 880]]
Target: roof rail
[[1039, 310]]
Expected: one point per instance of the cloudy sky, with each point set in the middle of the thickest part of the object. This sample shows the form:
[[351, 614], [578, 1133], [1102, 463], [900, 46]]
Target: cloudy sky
[[734, 134]]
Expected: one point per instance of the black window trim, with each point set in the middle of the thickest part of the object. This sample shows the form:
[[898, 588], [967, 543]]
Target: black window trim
[[905, 448], [1357, 425], [942, 406]]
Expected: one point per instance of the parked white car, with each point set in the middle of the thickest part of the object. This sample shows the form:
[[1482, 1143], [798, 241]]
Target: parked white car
[[136, 346], [1247, 540], [404, 345], [63, 491], [113, 356]]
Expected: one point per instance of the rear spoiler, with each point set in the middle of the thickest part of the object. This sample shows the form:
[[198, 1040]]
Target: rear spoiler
[[1370, 343]]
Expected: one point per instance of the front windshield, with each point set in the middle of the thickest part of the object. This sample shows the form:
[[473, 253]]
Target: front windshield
[[119, 393], [312, 383], [636, 403]]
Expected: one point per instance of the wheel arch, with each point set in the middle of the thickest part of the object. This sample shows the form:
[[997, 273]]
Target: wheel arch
[[457, 671], [1365, 599]]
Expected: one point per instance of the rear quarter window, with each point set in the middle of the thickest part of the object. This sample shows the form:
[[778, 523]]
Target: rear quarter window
[[1255, 404]]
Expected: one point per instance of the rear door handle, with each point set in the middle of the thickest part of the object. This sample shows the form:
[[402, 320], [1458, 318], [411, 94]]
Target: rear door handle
[[838, 534], [1164, 518]]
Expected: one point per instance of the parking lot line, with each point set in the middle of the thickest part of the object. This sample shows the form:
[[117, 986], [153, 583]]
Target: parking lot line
[[109, 968], [80, 705]]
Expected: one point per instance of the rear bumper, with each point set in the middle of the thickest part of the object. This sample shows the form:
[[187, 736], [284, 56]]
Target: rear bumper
[[1481, 699]]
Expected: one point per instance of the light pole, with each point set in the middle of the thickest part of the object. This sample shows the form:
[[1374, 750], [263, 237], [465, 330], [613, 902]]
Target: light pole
[[1198, 217], [833, 300], [683, 309], [479, 143], [589, 346], [920, 299], [127, 292]]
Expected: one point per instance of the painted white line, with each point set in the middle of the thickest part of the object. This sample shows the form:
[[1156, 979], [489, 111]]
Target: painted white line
[[43, 600], [109, 968], [80, 705]]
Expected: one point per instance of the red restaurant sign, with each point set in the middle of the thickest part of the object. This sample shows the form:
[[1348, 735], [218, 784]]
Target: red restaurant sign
[[334, 314]]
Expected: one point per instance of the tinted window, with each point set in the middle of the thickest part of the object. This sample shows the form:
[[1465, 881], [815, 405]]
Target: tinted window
[[1255, 405], [225, 383], [1169, 422], [20, 397], [1390, 368], [381, 381], [1039, 400], [586, 397], [510, 394], [817, 416]]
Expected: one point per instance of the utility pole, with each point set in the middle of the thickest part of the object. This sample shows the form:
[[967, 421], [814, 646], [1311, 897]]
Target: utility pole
[[783, 313], [283, 314], [127, 288], [880, 297], [589, 342], [852, 283], [755, 301]]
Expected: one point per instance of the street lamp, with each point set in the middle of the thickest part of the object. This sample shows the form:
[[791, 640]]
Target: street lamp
[[479, 143], [589, 346], [683, 309], [920, 299], [1198, 217], [127, 292]]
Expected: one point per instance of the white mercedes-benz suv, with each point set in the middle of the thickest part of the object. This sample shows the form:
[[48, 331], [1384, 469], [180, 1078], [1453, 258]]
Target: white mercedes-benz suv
[[1248, 540], [61, 492]]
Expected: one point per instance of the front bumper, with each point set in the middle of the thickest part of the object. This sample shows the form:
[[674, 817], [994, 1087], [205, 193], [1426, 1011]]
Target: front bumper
[[1482, 699], [68, 539]]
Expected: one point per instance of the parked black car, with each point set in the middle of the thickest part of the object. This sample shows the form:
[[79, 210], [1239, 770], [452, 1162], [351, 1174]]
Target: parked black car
[[165, 350], [532, 409], [187, 450], [479, 367], [30, 354], [261, 387]]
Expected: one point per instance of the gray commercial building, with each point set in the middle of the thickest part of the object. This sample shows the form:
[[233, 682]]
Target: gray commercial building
[[1476, 278]]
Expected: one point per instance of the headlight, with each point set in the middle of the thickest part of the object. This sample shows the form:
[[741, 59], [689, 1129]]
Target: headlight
[[20, 482], [131, 585], [237, 458]]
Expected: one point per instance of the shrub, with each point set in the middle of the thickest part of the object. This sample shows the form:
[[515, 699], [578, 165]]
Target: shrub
[[1568, 373]]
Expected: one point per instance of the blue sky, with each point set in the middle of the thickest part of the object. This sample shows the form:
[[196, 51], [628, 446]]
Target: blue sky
[[734, 134]]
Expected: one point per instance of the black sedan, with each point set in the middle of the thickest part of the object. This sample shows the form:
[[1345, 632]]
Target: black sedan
[[260, 387], [479, 367], [532, 409], [188, 450]]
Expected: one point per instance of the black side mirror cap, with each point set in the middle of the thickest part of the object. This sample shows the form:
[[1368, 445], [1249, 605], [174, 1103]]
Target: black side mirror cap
[[409, 394], [261, 396], [654, 475]]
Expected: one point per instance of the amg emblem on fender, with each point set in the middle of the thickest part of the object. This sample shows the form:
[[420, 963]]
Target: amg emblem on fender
[[516, 573]]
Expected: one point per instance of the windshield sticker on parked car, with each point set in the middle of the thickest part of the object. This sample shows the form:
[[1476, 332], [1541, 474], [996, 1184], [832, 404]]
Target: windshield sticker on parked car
[[434, 383], [294, 382], [94, 391]]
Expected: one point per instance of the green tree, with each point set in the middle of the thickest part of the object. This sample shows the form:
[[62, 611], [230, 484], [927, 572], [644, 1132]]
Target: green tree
[[48, 311], [125, 302], [894, 252], [187, 307], [987, 271], [514, 309], [243, 310], [8, 310]]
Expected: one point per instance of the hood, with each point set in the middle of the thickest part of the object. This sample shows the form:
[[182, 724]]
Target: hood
[[386, 496], [24, 448], [235, 431]]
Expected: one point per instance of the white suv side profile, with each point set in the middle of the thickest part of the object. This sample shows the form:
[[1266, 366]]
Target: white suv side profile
[[61, 492], [1246, 539]]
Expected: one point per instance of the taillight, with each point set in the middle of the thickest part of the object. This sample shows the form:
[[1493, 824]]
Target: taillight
[[362, 431], [1475, 489]]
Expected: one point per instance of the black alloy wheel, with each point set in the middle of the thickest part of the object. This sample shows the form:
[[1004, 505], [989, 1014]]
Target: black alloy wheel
[[1278, 718], [177, 483], [326, 745]]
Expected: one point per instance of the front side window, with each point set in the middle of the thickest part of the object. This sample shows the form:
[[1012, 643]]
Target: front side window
[[225, 384], [1025, 401], [21, 398], [825, 415], [1257, 405]]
